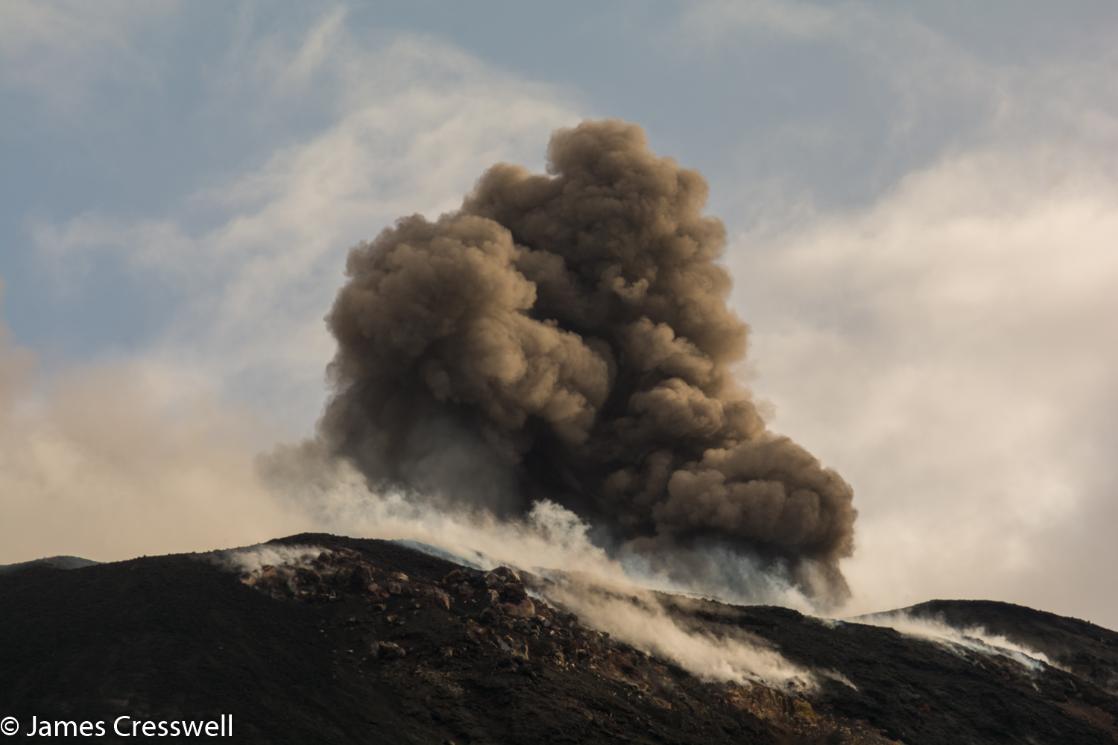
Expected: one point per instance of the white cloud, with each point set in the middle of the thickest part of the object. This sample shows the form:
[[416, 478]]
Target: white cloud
[[110, 461], [947, 345], [948, 350], [259, 255], [54, 49], [872, 93], [714, 19]]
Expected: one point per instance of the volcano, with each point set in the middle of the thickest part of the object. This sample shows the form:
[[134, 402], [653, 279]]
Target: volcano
[[328, 639]]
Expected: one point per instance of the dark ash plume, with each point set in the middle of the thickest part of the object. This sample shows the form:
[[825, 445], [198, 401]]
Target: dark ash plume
[[567, 336]]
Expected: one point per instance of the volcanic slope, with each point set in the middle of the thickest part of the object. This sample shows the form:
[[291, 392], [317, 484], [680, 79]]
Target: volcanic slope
[[344, 640]]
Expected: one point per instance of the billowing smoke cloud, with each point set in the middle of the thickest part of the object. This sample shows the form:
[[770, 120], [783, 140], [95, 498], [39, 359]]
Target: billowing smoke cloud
[[566, 337]]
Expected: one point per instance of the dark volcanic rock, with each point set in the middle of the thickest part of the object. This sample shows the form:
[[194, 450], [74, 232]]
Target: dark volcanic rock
[[1083, 648], [372, 642], [50, 562]]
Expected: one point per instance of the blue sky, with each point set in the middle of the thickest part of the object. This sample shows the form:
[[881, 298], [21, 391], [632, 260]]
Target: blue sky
[[921, 199]]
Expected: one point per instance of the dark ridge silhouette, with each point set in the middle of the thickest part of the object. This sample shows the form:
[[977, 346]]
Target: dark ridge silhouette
[[51, 562], [373, 641]]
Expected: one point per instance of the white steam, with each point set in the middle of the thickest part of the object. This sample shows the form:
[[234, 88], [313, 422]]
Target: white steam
[[611, 595], [961, 641], [252, 559], [636, 616]]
